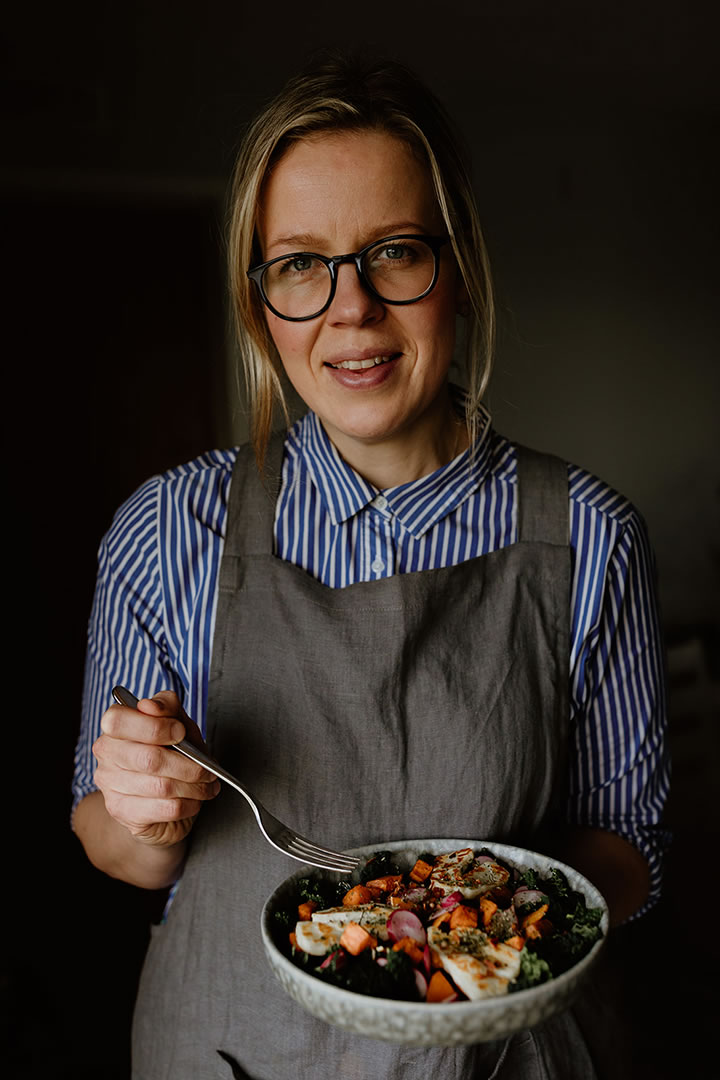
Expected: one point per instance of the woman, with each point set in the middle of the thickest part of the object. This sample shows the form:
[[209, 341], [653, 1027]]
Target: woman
[[400, 625]]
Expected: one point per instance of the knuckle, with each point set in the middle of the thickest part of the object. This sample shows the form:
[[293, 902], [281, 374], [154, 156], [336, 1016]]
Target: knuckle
[[163, 788], [173, 809], [150, 759], [157, 730]]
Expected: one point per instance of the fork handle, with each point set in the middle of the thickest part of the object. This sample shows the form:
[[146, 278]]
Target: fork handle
[[125, 697]]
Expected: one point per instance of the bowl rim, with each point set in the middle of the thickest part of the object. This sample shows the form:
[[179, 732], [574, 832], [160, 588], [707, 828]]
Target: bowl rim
[[553, 987]]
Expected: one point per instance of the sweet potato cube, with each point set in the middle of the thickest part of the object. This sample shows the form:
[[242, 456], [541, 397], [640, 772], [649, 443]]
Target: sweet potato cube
[[420, 871], [355, 939], [516, 942], [358, 895], [384, 884], [439, 988], [305, 910], [413, 950], [534, 916], [538, 929], [487, 910], [463, 916]]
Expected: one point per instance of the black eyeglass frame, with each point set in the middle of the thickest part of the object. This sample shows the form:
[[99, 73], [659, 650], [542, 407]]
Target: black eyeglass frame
[[256, 273]]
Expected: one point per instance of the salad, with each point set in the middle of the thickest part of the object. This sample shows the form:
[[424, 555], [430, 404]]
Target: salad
[[459, 926]]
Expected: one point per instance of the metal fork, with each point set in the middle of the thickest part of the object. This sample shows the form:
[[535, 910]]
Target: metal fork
[[280, 836]]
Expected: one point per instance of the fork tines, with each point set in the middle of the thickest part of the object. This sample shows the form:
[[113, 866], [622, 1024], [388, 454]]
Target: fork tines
[[310, 853]]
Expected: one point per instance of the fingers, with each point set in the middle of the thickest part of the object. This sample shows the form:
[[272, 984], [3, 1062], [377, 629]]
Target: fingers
[[154, 786], [166, 703], [148, 787], [137, 813], [149, 724], [149, 759]]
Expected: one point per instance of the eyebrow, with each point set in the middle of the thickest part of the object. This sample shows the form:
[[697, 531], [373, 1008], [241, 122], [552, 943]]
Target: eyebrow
[[309, 242]]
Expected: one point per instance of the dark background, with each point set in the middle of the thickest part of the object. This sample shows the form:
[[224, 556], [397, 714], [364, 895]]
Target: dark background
[[593, 134]]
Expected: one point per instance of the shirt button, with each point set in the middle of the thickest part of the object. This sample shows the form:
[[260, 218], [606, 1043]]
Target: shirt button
[[377, 566], [380, 502]]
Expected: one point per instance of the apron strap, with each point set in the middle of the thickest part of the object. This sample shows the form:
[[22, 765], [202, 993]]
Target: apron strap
[[543, 509], [253, 498], [543, 506]]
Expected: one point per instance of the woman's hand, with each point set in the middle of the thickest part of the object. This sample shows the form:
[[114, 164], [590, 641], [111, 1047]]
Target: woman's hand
[[151, 790]]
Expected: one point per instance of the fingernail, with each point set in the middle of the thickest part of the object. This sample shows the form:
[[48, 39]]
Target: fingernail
[[177, 732]]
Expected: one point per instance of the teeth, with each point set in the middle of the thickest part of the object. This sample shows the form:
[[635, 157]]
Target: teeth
[[361, 365]]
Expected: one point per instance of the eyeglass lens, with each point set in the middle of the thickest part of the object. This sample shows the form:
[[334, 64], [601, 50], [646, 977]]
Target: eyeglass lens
[[301, 285]]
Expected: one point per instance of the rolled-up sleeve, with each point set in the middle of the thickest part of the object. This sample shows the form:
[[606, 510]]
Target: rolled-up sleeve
[[126, 632], [620, 770]]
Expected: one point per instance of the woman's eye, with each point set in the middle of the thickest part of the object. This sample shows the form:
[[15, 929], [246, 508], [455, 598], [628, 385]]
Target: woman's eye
[[387, 256], [395, 252], [297, 265]]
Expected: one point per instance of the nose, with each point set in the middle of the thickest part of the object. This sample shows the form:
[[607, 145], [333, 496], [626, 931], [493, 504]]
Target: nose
[[353, 304]]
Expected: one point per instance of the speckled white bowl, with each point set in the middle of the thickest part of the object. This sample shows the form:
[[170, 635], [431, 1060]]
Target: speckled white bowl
[[419, 1023]]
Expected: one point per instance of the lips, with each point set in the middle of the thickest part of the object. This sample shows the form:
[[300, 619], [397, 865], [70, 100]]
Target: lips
[[362, 362], [361, 365]]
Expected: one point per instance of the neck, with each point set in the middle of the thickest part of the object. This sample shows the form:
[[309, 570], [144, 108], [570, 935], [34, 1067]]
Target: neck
[[400, 459]]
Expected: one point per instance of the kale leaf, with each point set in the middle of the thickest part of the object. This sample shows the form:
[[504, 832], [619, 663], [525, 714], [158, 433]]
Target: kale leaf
[[365, 976], [380, 864], [533, 971], [529, 878]]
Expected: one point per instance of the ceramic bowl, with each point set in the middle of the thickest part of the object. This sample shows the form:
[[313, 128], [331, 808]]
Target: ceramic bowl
[[419, 1023]]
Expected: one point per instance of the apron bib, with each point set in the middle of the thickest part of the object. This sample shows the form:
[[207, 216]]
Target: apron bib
[[426, 704]]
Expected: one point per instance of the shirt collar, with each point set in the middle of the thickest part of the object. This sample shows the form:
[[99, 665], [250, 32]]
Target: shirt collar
[[418, 505]]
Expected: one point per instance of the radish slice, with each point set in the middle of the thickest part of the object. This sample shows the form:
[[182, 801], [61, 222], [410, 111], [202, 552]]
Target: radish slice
[[524, 896], [426, 960], [406, 924], [340, 957], [448, 904], [421, 983], [452, 900]]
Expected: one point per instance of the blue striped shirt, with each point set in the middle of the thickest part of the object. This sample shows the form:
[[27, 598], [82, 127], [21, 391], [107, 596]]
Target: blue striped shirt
[[152, 620]]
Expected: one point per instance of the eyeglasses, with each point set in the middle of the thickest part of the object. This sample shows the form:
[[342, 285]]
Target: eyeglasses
[[396, 270]]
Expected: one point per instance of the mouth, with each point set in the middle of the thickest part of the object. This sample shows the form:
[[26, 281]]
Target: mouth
[[362, 365]]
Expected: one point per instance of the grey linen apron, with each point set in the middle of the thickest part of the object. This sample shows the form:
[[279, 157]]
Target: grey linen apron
[[426, 704]]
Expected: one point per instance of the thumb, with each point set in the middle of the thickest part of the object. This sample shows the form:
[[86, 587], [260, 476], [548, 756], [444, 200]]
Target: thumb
[[167, 703]]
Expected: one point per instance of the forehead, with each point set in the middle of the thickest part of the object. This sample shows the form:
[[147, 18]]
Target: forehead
[[349, 186]]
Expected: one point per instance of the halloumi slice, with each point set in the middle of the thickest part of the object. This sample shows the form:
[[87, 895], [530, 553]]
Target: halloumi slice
[[478, 967], [317, 938], [459, 871], [372, 917]]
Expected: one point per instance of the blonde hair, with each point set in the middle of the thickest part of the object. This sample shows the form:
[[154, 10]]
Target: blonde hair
[[337, 95]]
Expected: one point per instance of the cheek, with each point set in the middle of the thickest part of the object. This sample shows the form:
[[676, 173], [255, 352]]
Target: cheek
[[293, 341], [437, 326]]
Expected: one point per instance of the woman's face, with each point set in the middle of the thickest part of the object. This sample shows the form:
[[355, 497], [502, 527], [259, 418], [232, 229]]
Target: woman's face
[[333, 194]]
